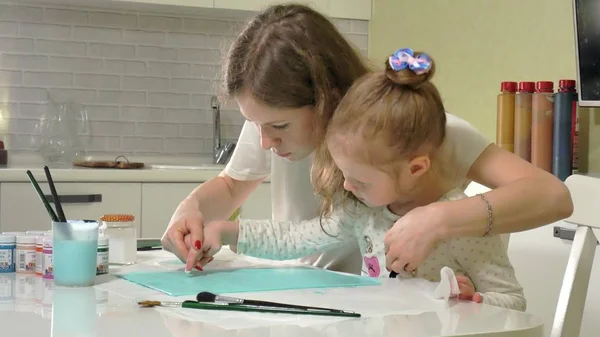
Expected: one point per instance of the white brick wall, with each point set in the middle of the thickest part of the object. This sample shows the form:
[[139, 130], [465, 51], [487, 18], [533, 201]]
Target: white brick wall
[[145, 79]]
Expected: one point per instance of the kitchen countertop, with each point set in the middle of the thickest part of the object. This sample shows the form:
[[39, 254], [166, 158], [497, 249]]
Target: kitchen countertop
[[30, 306], [156, 169], [173, 173]]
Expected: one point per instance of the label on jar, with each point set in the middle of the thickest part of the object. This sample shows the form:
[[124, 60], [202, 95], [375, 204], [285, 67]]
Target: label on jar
[[102, 264], [7, 264], [39, 258], [26, 261], [48, 269]]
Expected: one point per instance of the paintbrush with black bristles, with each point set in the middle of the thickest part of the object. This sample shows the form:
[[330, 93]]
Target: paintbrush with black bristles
[[209, 297], [247, 308]]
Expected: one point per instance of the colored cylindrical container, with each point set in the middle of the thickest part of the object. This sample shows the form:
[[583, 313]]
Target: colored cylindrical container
[[47, 265], [14, 233], [542, 125], [7, 292], [7, 253], [505, 116], [121, 231], [25, 253], [36, 233], [523, 120], [39, 255], [74, 252], [565, 105], [103, 253]]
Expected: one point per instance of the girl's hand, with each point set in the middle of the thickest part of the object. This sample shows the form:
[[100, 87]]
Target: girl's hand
[[217, 234], [467, 290], [412, 238]]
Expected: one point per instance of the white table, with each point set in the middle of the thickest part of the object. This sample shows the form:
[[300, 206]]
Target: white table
[[30, 306]]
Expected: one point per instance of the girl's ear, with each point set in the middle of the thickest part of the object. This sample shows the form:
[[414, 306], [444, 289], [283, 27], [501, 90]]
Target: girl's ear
[[419, 165]]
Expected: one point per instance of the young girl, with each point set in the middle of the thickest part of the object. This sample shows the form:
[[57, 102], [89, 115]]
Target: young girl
[[382, 157]]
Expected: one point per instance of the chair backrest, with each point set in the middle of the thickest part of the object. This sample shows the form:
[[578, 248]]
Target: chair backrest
[[585, 192], [474, 189]]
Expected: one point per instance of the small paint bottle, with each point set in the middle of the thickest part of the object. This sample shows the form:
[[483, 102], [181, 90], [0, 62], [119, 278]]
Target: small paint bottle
[[122, 234], [36, 233], [102, 264], [14, 233], [25, 252], [7, 253], [39, 255], [47, 266]]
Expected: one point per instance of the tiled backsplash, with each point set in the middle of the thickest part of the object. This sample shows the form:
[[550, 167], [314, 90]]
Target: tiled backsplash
[[146, 79]]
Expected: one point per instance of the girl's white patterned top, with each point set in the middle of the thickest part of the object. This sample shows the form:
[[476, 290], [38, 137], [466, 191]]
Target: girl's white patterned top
[[483, 259]]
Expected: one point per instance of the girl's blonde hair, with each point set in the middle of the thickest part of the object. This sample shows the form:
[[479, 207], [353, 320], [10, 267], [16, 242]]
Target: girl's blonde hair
[[386, 117]]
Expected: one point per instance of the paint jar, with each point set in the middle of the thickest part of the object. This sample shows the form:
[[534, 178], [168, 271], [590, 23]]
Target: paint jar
[[75, 251], [39, 255], [25, 292], [47, 267], [121, 231], [7, 253], [36, 233], [7, 292], [102, 256], [15, 233], [47, 300], [25, 252]]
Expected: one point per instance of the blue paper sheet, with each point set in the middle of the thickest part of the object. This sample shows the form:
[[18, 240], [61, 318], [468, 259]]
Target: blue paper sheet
[[177, 283]]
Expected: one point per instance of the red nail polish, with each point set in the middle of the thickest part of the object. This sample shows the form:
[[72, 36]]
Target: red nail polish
[[198, 244], [199, 268]]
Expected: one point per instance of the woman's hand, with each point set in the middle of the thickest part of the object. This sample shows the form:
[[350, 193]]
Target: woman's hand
[[184, 235], [467, 290], [412, 238]]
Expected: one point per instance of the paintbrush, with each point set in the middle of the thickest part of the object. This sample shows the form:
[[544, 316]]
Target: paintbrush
[[206, 296], [43, 199], [59, 209], [246, 308]]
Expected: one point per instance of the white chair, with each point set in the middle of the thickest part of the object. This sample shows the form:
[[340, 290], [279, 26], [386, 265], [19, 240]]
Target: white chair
[[585, 192]]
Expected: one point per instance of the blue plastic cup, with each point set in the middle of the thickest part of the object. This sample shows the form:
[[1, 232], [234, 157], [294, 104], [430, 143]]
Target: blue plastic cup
[[74, 252]]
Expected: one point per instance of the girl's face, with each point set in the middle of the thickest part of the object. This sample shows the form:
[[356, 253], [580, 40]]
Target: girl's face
[[287, 132], [373, 186]]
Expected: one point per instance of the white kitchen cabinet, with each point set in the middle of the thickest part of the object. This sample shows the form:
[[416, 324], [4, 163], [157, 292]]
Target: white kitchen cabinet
[[258, 5], [347, 9], [187, 3], [350, 9], [159, 201], [342, 9], [21, 208]]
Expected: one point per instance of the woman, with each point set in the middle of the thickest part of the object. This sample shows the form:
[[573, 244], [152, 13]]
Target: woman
[[288, 70]]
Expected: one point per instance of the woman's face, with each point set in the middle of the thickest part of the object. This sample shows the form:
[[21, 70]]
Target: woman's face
[[288, 132]]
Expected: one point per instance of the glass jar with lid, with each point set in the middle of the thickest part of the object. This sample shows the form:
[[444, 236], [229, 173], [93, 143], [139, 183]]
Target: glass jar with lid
[[122, 238]]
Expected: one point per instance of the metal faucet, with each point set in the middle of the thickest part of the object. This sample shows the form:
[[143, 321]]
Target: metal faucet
[[221, 154]]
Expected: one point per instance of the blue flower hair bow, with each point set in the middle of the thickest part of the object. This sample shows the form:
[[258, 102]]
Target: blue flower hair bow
[[404, 58]]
